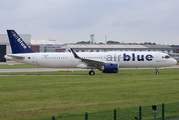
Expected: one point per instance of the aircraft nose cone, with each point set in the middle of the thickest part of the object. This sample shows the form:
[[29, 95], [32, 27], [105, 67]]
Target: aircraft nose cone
[[175, 62]]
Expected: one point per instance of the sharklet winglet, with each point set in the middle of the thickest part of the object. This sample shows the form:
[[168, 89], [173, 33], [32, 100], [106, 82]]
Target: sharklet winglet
[[74, 54]]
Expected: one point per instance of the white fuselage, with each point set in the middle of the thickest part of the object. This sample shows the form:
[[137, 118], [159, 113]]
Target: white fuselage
[[124, 59]]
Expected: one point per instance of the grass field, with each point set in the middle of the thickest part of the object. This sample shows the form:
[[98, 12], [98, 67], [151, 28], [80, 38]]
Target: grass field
[[39, 96], [13, 66]]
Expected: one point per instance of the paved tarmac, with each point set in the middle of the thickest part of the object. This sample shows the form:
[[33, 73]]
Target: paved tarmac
[[35, 69], [57, 69]]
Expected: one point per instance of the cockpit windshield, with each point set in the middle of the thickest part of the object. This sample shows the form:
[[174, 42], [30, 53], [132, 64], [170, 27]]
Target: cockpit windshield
[[167, 56]]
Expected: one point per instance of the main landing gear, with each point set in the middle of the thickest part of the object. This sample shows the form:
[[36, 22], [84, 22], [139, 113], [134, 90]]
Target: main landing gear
[[91, 72], [156, 71]]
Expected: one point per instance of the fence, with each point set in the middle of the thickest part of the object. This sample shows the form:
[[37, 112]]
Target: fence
[[139, 113]]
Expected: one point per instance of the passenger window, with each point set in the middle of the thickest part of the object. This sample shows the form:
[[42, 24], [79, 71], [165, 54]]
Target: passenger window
[[166, 57]]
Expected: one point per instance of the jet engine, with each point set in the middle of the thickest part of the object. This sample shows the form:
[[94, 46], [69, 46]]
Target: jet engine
[[109, 68]]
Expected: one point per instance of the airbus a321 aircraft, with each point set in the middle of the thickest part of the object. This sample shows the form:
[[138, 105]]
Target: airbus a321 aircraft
[[108, 62]]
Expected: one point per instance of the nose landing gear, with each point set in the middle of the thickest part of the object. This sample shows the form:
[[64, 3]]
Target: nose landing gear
[[156, 71]]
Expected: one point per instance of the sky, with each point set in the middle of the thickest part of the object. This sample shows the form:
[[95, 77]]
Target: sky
[[71, 21]]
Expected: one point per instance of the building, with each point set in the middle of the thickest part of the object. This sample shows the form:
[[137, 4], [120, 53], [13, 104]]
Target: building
[[175, 55], [117, 48], [46, 46]]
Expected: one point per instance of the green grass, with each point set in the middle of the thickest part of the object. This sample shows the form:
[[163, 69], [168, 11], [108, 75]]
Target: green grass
[[14, 66], [39, 96]]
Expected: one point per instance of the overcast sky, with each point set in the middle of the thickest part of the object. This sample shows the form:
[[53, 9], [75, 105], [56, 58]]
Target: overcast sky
[[74, 20]]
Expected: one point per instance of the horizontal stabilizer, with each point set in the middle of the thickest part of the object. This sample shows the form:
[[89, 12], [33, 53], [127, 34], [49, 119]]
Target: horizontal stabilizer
[[11, 56]]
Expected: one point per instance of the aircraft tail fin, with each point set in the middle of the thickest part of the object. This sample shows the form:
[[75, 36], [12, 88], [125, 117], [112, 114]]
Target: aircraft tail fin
[[17, 44]]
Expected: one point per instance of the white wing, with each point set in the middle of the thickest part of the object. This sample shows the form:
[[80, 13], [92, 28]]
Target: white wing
[[91, 62]]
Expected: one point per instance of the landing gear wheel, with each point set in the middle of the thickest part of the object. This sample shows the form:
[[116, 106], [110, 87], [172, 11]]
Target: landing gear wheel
[[91, 73], [157, 71]]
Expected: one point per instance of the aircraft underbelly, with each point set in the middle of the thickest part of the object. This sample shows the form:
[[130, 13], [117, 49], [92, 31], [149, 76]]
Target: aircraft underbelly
[[136, 64]]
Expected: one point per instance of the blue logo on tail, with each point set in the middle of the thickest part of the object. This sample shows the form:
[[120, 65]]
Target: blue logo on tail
[[17, 44]]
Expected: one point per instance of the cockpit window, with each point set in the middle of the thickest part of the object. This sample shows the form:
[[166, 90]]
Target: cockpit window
[[166, 56]]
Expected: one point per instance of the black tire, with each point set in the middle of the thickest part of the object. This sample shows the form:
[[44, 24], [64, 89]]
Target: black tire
[[157, 73], [91, 73]]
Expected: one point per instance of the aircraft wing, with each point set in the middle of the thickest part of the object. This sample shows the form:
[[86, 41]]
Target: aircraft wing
[[90, 62], [12, 56]]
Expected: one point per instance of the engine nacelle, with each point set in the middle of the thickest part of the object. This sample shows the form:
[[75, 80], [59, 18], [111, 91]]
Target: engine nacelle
[[110, 68]]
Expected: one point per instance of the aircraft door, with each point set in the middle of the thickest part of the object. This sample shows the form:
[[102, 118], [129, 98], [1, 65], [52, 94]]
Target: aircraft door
[[158, 57], [34, 58]]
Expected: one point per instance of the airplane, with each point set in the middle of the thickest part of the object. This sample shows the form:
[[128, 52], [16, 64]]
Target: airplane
[[107, 62]]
